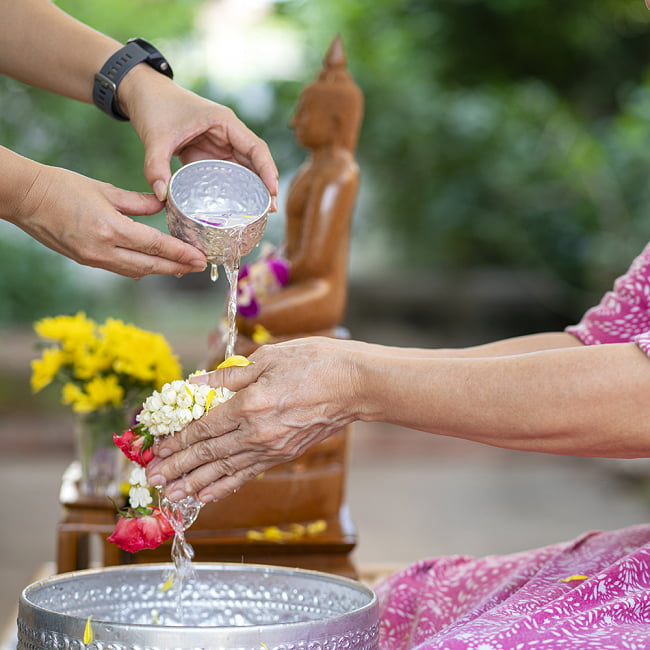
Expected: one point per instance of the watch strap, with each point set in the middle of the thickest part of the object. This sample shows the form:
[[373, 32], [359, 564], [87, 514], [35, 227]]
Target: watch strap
[[113, 71]]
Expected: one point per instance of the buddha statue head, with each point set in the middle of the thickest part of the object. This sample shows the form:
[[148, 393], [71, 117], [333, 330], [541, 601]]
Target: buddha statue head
[[330, 109]]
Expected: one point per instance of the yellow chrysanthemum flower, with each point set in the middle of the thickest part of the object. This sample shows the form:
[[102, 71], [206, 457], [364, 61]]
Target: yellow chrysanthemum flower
[[91, 362], [105, 391], [71, 331], [73, 395], [104, 365], [99, 392], [45, 369], [146, 357]]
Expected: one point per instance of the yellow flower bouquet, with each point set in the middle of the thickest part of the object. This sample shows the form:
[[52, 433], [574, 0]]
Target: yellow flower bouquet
[[104, 371]]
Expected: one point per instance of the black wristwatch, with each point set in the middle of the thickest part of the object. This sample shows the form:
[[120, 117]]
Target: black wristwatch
[[136, 50]]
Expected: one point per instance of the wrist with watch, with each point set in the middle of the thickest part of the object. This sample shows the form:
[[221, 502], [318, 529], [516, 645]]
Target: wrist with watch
[[107, 80]]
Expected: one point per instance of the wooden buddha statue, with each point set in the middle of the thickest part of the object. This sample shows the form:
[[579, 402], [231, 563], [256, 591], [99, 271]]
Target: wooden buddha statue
[[319, 209]]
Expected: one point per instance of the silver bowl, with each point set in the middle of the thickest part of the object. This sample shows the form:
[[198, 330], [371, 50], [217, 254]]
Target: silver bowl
[[218, 206], [223, 606]]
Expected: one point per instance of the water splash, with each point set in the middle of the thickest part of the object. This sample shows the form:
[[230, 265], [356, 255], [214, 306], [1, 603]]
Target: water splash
[[181, 515]]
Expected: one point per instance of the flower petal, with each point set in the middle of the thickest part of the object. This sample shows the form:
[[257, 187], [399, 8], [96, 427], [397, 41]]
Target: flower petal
[[235, 360]]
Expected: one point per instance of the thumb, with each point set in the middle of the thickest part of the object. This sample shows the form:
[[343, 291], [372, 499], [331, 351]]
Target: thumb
[[157, 161], [136, 204], [234, 378]]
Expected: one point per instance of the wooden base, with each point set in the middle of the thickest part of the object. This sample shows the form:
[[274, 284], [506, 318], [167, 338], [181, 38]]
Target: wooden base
[[327, 550], [324, 544]]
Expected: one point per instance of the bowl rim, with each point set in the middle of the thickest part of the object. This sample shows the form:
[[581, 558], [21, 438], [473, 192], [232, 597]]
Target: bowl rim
[[362, 611], [215, 163]]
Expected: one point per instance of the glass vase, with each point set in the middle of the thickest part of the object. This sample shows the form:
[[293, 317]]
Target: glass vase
[[101, 463]]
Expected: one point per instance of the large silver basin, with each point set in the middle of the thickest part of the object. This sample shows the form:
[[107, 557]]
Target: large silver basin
[[224, 606]]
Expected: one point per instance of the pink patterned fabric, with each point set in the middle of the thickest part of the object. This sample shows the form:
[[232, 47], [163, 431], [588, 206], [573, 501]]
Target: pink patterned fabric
[[623, 314], [593, 592]]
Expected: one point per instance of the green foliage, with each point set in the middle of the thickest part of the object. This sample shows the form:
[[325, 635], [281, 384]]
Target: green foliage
[[37, 283], [496, 132], [124, 19], [500, 132]]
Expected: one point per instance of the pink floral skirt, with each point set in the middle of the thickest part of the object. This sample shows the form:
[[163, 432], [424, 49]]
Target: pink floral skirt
[[593, 592]]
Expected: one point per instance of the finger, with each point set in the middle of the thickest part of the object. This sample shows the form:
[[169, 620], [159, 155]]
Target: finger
[[234, 378], [204, 462], [253, 152], [157, 167], [168, 254], [196, 480], [227, 485], [136, 265], [137, 204], [263, 164], [216, 425]]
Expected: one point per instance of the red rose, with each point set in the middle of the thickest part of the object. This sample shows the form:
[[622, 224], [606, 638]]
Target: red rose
[[133, 534], [135, 446]]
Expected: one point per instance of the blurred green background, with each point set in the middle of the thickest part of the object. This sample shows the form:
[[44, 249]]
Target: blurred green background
[[507, 137]]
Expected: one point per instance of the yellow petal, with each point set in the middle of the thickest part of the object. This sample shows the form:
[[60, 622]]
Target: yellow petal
[[235, 360], [261, 335], [88, 632], [315, 527], [208, 399], [297, 530], [169, 583], [255, 535], [575, 576], [273, 534]]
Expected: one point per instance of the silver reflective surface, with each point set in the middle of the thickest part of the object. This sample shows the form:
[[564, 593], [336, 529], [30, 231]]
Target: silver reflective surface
[[247, 607], [218, 206]]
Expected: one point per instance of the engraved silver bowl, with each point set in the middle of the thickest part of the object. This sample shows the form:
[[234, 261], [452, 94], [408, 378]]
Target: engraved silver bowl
[[207, 201], [224, 606]]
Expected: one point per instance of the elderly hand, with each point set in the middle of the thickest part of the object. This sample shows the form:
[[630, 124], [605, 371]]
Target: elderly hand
[[172, 121], [87, 220], [294, 395]]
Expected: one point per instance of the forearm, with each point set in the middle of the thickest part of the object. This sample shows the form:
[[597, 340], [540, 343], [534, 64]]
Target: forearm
[[505, 347], [18, 176], [45, 47], [584, 401]]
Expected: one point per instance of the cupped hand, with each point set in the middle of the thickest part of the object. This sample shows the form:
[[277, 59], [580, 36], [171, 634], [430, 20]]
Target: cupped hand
[[87, 221], [172, 121], [294, 395]]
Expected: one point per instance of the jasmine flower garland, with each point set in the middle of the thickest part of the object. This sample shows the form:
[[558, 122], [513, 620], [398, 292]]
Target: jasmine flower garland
[[172, 408], [143, 523]]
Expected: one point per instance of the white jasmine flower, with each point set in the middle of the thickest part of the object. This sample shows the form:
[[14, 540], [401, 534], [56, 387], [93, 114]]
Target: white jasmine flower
[[168, 396], [138, 475], [226, 394], [184, 417], [154, 402], [140, 497], [177, 404], [185, 400]]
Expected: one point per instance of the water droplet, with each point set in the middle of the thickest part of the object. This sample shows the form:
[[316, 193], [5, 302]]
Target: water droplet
[[214, 273]]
